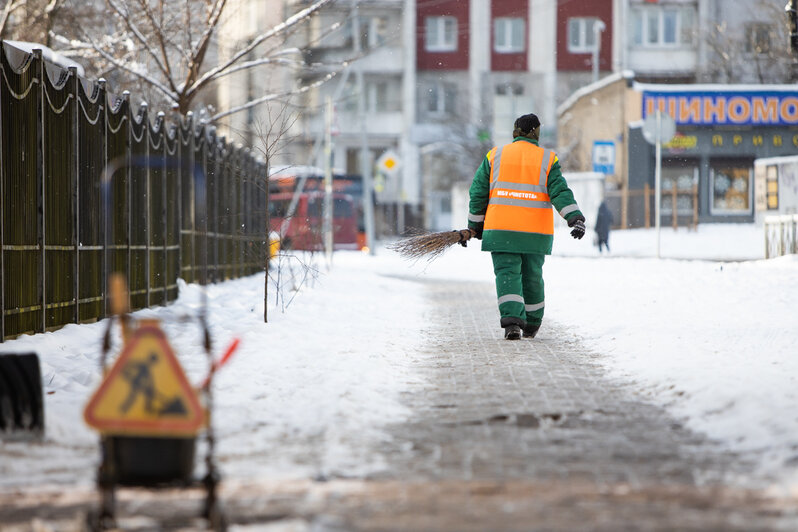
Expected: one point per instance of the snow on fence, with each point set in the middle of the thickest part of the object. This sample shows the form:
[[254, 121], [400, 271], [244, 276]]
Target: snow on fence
[[781, 235], [182, 202]]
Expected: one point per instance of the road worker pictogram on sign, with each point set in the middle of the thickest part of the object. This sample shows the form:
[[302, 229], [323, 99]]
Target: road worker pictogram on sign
[[145, 392]]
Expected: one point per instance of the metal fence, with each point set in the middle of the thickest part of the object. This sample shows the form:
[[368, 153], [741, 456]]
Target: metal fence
[[781, 235], [90, 187]]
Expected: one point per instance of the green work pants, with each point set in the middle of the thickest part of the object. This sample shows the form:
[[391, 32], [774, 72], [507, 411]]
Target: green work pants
[[519, 287]]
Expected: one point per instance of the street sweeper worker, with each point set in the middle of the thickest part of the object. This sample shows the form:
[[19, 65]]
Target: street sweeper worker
[[510, 211]]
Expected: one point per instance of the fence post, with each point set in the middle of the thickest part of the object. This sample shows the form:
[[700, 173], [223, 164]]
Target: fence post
[[129, 181], [767, 239], [73, 73], [266, 224], [164, 206], [624, 202], [105, 188], [646, 206], [145, 120], [3, 97], [178, 163], [40, 203], [674, 212], [794, 235]]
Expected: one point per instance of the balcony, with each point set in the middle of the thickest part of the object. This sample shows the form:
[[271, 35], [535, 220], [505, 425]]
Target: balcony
[[682, 61]]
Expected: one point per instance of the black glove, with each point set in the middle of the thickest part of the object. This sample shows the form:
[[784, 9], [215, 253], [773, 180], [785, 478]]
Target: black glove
[[477, 231], [577, 223], [464, 236]]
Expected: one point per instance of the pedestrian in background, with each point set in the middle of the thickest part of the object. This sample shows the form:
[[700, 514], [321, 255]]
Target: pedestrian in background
[[603, 224], [510, 211]]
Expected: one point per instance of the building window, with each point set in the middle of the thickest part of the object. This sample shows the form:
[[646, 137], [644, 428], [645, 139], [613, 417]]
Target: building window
[[505, 89], [441, 34], [772, 187], [658, 26], [508, 35], [581, 35], [440, 98], [757, 38], [731, 189], [682, 176], [381, 97]]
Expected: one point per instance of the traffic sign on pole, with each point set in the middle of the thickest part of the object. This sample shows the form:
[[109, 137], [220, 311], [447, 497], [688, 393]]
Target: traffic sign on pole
[[604, 156], [658, 129]]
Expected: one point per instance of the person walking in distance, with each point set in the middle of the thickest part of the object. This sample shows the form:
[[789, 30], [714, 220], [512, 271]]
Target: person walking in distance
[[510, 211], [603, 224]]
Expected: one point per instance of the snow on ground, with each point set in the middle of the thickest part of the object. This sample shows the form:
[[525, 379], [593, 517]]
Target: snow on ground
[[711, 339]]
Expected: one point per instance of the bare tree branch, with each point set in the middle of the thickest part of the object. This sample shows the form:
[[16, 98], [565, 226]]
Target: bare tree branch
[[122, 65], [275, 96], [280, 28], [124, 15], [9, 8]]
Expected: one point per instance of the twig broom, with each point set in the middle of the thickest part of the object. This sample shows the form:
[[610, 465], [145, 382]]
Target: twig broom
[[430, 245]]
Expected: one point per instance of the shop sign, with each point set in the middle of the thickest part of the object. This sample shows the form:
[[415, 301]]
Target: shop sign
[[730, 108], [682, 142]]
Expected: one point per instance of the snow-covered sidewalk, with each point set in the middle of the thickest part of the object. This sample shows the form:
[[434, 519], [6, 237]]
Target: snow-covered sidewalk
[[712, 341]]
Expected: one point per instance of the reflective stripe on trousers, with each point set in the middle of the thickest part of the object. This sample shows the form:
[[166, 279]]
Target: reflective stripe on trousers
[[519, 285]]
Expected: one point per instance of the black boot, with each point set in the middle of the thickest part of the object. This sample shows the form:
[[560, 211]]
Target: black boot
[[512, 332], [531, 330]]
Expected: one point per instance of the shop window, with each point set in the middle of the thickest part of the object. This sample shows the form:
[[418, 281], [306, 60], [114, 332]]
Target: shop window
[[772, 187], [683, 179], [731, 189], [441, 34]]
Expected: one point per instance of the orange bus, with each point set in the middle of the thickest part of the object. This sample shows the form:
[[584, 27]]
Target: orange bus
[[304, 229]]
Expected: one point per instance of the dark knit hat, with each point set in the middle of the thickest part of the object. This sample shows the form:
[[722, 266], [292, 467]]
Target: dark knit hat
[[526, 124]]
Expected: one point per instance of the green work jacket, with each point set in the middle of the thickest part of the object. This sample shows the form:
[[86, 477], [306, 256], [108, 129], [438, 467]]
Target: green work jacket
[[518, 241]]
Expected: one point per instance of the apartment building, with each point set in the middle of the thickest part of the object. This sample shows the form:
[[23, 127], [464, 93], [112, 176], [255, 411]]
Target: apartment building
[[442, 81], [438, 82]]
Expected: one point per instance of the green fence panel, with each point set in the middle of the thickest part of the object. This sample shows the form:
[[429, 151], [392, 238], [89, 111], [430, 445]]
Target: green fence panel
[[138, 280], [88, 188], [59, 128], [187, 235], [117, 179], [172, 197], [157, 213], [91, 216], [20, 157]]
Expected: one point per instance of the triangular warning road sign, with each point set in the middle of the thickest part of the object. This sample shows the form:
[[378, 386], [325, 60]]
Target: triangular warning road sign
[[146, 392]]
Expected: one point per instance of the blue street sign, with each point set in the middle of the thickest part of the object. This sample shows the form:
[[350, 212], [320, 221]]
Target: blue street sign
[[604, 156]]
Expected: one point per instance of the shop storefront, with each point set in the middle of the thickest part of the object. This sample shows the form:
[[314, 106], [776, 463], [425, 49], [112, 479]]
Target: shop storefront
[[721, 130]]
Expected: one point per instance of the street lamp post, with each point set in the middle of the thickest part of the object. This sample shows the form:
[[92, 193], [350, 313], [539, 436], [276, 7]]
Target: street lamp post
[[598, 28]]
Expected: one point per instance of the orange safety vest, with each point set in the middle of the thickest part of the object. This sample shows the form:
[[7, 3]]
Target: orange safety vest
[[519, 198]]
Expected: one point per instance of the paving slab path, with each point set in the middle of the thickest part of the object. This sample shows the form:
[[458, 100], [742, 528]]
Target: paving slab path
[[505, 435]]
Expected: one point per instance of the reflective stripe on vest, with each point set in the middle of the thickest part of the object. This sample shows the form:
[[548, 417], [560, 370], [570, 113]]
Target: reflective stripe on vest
[[519, 199]]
